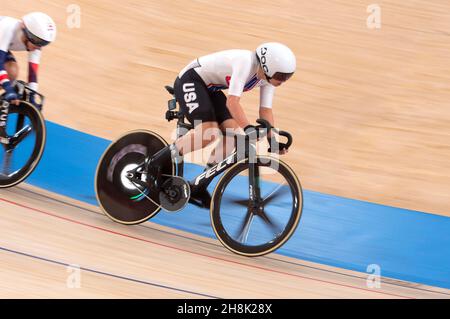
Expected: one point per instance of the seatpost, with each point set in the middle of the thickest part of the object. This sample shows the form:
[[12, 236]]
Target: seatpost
[[182, 126]]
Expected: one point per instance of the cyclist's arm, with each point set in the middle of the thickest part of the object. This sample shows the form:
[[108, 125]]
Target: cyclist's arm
[[241, 71], [265, 110], [6, 34], [266, 113], [266, 93], [4, 79], [236, 111], [34, 58]]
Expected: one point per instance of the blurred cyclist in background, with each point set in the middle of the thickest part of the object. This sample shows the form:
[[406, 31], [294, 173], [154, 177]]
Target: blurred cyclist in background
[[33, 32], [199, 91]]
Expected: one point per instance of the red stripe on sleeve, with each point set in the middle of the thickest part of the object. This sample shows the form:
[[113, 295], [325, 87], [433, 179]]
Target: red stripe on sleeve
[[32, 72]]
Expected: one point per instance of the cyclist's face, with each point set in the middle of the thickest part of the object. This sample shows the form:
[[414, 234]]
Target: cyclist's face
[[261, 76], [276, 82], [30, 46]]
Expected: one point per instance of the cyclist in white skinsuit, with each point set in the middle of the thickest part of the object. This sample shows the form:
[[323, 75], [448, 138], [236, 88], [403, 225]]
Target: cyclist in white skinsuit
[[235, 70], [198, 90], [33, 32]]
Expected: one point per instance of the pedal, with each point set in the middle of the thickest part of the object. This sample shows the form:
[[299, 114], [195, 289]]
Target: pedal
[[174, 194]]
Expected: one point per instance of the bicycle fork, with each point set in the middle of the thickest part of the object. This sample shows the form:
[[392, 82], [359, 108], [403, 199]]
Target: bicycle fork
[[254, 186], [4, 110], [255, 206]]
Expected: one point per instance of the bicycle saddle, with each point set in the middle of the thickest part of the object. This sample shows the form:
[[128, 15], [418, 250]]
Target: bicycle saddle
[[170, 90]]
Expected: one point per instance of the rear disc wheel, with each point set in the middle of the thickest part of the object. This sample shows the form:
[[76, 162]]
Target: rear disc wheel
[[121, 199]]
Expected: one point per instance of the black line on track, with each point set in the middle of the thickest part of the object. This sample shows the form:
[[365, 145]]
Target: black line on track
[[108, 274], [385, 281]]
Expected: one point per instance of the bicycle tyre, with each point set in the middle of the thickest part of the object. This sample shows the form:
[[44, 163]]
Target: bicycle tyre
[[115, 200], [38, 125], [216, 211]]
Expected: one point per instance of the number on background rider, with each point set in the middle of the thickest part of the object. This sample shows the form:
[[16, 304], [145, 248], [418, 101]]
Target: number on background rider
[[199, 86], [33, 32]]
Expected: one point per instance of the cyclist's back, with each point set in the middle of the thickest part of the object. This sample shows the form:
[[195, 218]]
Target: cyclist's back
[[206, 77], [33, 32], [217, 70]]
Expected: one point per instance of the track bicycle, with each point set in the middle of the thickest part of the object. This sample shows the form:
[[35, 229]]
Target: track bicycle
[[255, 207], [22, 135]]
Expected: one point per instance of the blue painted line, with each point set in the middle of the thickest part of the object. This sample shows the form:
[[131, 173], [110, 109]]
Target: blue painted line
[[60, 263], [407, 245], [69, 163], [215, 244]]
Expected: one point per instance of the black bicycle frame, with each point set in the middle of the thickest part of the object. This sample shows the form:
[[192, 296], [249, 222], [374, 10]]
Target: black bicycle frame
[[21, 132], [204, 179], [24, 93]]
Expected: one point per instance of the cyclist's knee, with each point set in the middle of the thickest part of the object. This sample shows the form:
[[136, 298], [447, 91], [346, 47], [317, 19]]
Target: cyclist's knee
[[230, 128], [12, 68], [201, 136], [210, 132]]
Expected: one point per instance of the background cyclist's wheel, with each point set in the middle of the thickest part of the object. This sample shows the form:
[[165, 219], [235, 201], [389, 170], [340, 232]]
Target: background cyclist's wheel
[[256, 232], [26, 133], [121, 200]]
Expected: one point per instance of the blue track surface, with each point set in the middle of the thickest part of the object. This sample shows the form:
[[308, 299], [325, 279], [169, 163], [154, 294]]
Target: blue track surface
[[407, 245]]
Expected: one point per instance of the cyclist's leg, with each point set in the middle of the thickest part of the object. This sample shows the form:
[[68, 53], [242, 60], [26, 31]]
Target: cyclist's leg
[[226, 145], [198, 106], [195, 102], [201, 136], [11, 66], [228, 126]]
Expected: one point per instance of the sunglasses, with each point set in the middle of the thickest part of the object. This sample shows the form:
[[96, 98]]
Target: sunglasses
[[34, 39], [283, 77]]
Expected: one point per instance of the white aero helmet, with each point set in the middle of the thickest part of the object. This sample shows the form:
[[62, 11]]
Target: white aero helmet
[[39, 29], [277, 61]]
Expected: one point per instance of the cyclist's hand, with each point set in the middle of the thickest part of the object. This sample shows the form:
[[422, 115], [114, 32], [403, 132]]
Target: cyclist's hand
[[12, 98], [276, 147], [283, 151], [33, 99], [250, 130]]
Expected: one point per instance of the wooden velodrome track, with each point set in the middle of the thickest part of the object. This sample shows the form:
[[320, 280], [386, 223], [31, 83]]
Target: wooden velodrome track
[[43, 234], [368, 109]]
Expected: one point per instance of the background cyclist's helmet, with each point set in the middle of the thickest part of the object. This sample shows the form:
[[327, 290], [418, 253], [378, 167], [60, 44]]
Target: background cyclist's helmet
[[39, 29], [277, 61]]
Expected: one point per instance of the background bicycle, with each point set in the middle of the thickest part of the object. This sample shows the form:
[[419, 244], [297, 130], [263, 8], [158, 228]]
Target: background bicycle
[[22, 138]]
